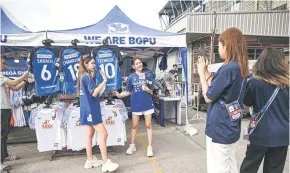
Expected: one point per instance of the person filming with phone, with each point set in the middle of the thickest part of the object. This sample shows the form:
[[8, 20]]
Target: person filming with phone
[[225, 93]]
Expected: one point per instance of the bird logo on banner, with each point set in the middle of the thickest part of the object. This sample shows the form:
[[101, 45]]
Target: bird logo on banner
[[120, 28]]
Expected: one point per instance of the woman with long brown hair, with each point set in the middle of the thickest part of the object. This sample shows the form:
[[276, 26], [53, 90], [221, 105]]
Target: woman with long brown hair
[[270, 139], [90, 113], [224, 93], [138, 86]]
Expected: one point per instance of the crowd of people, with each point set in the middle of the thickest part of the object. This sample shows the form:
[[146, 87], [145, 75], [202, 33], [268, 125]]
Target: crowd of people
[[227, 92]]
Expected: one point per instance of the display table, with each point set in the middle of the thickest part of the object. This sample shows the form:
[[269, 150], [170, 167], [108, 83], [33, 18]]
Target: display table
[[167, 108]]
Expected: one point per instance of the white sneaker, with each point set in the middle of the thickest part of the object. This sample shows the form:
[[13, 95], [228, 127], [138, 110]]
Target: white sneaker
[[109, 166], [150, 151], [93, 163], [131, 149]]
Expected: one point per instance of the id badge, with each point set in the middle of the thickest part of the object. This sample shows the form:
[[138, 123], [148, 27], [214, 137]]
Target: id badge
[[235, 111]]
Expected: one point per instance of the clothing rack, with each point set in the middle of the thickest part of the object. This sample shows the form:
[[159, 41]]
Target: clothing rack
[[64, 151], [68, 99]]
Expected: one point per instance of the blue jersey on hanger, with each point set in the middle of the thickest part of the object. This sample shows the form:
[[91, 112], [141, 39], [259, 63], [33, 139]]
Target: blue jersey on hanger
[[47, 80], [70, 60], [107, 60]]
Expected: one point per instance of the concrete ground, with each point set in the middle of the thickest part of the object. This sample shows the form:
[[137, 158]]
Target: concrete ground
[[175, 152]]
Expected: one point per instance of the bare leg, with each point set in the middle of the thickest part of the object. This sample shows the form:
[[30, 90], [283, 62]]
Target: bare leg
[[90, 131], [148, 124], [102, 132], [135, 124]]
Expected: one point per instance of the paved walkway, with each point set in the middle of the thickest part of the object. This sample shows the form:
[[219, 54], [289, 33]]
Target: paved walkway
[[174, 153]]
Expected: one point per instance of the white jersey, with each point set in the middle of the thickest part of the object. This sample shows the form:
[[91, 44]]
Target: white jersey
[[48, 131], [114, 125], [76, 133]]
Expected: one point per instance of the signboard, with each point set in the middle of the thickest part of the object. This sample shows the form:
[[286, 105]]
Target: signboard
[[14, 72]]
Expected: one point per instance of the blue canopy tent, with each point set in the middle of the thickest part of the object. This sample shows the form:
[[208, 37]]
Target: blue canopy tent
[[120, 30], [132, 38], [15, 37]]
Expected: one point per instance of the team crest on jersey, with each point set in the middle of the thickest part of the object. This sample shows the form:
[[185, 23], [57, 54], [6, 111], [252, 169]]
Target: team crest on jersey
[[110, 121], [46, 124], [119, 28]]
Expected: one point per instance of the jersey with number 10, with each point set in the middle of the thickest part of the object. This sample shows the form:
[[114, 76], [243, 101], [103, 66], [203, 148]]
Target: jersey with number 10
[[47, 80], [70, 61], [107, 60]]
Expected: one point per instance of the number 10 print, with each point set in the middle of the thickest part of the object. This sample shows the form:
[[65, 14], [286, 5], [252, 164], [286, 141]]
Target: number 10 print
[[105, 68]]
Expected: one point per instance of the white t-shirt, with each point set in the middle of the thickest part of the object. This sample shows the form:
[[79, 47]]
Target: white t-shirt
[[113, 122], [48, 138], [5, 102], [76, 133]]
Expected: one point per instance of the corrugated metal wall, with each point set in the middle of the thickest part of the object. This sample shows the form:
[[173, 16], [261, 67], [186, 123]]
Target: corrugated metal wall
[[274, 23]]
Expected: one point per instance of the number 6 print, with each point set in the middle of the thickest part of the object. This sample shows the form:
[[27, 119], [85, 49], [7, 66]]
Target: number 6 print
[[45, 74]]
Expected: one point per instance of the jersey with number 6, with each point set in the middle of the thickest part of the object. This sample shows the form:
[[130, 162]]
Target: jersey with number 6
[[107, 60], [43, 67], [70, 58]]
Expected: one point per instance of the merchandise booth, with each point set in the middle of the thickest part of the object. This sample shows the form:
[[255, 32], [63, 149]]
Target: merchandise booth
[[123, 38], [134, 40]]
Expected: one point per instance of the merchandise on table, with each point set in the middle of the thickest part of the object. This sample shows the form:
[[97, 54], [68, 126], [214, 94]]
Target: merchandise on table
[[47, 124], [57, 126], [114, 117], [17, 109], [75, 132]]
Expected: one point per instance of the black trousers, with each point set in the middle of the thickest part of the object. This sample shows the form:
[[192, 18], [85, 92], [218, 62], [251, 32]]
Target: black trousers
[[274, 159], [5, 121]]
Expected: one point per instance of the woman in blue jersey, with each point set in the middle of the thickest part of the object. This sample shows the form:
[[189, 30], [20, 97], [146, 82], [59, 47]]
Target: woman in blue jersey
[[90, 113], [225, 93], [138, 86]]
